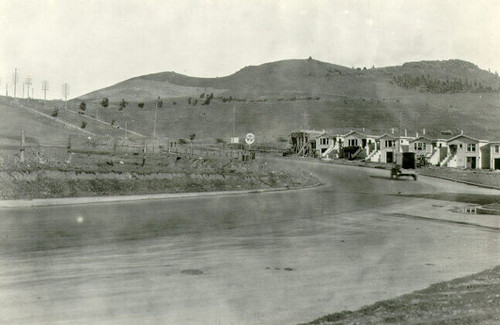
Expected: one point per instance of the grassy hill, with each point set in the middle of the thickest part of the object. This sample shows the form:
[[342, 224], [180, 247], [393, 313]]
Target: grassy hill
[[273, 99]]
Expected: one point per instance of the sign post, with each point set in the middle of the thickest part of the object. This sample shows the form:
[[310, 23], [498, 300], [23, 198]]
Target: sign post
[[249, 139]]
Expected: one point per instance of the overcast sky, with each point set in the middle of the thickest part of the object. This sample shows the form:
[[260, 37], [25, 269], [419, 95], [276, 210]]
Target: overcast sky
[[92, 44]]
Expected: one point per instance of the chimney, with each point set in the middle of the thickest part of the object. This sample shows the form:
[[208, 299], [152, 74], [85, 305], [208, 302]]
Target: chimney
[[406, 132], [392, 130], [423, 131], [461, 131], [417, 135], [363, 129]]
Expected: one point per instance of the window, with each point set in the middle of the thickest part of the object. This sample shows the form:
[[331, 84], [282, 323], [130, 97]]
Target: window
[[497, 149], [323, 141], [471, 147], [388, 143], [353, 142]]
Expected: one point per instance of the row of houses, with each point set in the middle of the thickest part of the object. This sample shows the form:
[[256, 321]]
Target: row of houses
[[459, 151]]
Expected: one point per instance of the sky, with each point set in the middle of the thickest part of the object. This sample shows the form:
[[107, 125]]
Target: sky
[[91, 44]]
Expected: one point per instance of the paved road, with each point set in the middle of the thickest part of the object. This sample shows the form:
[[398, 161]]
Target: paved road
[[269, 258]]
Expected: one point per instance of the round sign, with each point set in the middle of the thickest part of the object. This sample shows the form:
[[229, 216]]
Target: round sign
[[250, 138]]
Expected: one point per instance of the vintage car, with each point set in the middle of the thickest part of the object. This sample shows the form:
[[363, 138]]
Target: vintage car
[[405, 164]]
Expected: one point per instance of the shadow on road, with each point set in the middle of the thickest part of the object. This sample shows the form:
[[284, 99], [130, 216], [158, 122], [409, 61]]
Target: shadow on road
[[388, 178]]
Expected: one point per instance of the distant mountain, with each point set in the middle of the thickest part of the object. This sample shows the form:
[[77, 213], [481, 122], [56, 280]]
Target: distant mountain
[[308, 77]]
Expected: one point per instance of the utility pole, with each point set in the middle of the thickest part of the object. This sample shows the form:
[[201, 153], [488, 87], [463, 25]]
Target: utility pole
[[158, 104], [65, 92], [15, 78], [28, 82], [45, 88]]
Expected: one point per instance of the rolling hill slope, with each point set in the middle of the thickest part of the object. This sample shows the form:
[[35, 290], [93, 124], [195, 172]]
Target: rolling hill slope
[[274, 98]]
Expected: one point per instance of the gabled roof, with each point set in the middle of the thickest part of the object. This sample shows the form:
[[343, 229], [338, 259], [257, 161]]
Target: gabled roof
[[462, 136], [388, 136], [326, 134], [354, 132], [421, 138]]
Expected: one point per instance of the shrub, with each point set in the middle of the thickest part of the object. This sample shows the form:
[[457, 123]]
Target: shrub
[[140, 105], [83, 125], [123, 104], [83, 106], [55, 112]]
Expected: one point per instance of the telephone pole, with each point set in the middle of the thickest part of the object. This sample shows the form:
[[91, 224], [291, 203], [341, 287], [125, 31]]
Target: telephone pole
[[65, 92], [15, 79], [28, 82], [45, 88]]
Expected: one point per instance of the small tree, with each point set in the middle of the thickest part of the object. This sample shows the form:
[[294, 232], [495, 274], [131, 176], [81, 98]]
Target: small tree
[[140, 105], [83, 106], [105, 102], [159, 102], [55, 112], [123, 104], [83, 125], [192, 136]]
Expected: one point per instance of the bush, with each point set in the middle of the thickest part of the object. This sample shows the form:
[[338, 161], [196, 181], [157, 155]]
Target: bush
[[140, 105], [83, 106], [83, 125], [123, 104], [55, 112]]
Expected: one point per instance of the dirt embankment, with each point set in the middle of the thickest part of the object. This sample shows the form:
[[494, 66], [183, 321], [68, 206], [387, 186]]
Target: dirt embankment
[[473, 299], [127, 175]]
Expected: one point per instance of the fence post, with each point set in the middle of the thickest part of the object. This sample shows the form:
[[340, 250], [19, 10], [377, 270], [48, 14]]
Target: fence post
[[144, 153], [22, 146]]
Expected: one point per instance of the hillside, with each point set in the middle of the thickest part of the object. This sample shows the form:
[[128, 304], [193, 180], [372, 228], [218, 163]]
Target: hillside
[[299, 77], [274, 98]]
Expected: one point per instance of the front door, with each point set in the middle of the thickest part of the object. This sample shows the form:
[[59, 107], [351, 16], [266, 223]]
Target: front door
[[471, 162], [388, 157], [497, 163]]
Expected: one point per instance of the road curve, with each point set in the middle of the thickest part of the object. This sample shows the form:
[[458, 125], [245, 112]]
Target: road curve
[[261, 258]]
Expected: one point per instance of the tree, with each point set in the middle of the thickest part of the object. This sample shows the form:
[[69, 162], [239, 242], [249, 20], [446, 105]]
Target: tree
[[105, 102], [140, 105], [123, 104], [83, 125], [159, 102], [192, 136], [83, 106]]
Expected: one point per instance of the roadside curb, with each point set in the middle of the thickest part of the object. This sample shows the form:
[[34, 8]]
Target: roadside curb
[[463, 182], [29, 203]]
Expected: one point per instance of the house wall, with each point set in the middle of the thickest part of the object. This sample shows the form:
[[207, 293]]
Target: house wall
[[418, 147], [462, 153], [353, 137], [494, 154], [385, 148]]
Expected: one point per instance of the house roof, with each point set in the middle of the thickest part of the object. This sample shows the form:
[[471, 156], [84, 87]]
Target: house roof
[[326, 134], [387, 136], [421, 138], [354, 132], [462, 136]]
